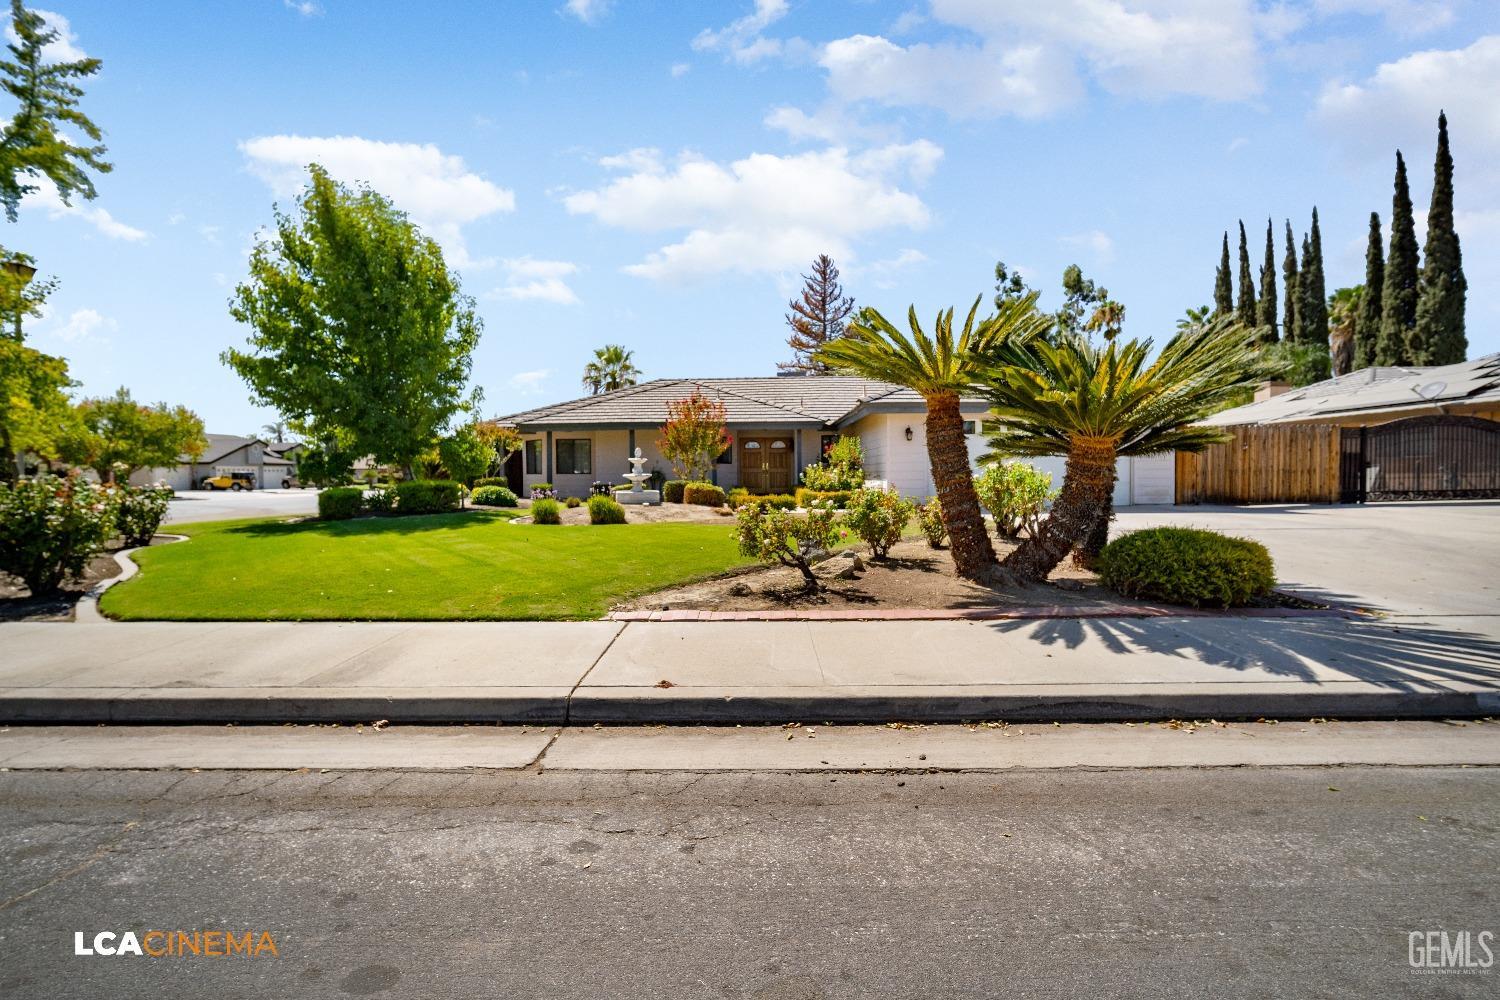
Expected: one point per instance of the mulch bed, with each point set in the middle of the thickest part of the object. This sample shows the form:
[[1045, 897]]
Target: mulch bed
[[17, 604]]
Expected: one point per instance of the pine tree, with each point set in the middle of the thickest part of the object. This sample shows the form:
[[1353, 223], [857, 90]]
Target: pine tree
[[1398, 306], [1367, 324], [1223, 283], [1438, 337], [1310, 285], [1246, 305], [816, 318], [1289, 287], [1265, 317]]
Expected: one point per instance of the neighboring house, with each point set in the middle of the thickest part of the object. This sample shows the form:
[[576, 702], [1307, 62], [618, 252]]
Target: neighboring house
[[1372, 396], [271, 463], [778, 426]]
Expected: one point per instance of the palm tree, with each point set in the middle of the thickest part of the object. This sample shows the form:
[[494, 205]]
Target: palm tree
[[611, 369], [276, 430], [1096, 404], [1195, 317], [941, 370], [1343, 313]]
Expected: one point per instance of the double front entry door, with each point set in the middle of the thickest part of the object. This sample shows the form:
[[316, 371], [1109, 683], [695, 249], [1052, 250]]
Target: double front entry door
[[766, 464]]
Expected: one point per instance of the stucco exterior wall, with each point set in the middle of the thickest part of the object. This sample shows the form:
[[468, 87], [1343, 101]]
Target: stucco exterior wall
[[903, 464]]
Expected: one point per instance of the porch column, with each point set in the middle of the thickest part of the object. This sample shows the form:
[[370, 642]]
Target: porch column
[[547, 461]]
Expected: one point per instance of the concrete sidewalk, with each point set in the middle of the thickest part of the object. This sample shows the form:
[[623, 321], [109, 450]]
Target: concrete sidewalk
[[639, 672]]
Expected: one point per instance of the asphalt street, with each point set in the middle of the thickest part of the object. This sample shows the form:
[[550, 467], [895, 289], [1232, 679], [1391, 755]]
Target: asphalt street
[[1253, 882]]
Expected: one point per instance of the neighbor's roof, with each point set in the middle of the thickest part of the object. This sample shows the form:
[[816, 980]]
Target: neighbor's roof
[[220, 445], [1373, 390], [796, 401]]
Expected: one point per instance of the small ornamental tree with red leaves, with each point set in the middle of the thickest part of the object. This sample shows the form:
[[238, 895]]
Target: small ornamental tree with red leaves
[[693, 435]]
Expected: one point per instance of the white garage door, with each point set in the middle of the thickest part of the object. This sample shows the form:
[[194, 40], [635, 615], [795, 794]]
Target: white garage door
[[1153, 479]]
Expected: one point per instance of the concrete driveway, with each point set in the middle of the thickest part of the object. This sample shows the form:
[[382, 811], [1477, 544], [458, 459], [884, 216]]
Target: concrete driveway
[[1435, 558], [221, 505]]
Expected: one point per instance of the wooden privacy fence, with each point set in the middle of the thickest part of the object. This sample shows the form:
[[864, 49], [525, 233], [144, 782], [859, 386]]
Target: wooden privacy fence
[[1275, 463]]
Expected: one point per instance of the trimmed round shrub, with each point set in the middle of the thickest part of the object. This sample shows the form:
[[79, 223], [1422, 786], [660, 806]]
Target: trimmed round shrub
[[427, 496], [605, 510], [1187, 566], [546, 511], [703, 495], [574, 502], [339, 503], [878, 517], [673, 489], [51, 527], [141, 511], [491, 495]]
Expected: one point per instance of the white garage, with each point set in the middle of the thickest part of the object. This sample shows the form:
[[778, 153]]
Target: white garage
[[1148, 479]]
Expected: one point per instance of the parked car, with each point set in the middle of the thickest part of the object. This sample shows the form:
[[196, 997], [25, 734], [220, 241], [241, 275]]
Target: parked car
[[290, 480], [233, 481]]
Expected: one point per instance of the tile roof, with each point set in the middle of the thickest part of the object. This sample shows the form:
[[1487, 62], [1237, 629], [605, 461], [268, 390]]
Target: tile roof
[[812, 400], [1374, 390]]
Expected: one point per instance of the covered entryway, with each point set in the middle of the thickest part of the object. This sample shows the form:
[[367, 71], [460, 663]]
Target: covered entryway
[[766, 464], [1423, 458], [513, 473]]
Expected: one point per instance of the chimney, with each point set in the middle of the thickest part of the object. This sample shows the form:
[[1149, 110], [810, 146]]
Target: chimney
[[1270, 390]]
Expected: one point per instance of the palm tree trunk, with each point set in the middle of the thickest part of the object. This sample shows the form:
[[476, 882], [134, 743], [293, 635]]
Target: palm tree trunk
[[1087, 485], [1086, 556], [948, 453]]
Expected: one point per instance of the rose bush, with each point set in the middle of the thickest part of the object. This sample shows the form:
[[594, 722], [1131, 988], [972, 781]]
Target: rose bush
[[50, 527]]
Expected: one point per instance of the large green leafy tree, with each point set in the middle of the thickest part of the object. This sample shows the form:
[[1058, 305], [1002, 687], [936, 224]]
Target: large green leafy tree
[[34, 407], [35, 142], [1398, 305], [1223, 283], [941, 368], [1083, 300], [1367, 322], [360, 330], [1245, 305], [1265, 315], [612, 367], [1438, 337], [1095, 404], [466, 454], [115, 436]]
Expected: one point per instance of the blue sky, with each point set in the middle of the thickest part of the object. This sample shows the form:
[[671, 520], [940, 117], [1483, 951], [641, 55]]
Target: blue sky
[[657, 174]]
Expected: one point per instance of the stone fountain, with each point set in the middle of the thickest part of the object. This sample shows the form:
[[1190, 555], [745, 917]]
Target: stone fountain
[[635, 494]]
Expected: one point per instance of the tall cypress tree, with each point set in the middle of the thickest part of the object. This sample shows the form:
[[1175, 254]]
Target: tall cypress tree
[[1398, 306], [1438, 337], [1246, 305], [1265, 316], [1289, 287], [1223, 288], [1303, 281], [1311, 287], [1367, 322]]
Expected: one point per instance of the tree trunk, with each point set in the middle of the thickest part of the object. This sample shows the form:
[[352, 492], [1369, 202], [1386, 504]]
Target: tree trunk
[[1087, 485], [1086, 556], [948, 453], [14, 467]]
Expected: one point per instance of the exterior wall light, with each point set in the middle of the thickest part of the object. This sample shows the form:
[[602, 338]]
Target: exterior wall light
[[908, 434]]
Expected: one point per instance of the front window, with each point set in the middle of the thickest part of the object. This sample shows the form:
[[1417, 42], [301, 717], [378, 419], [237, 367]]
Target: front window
[[972, 426], [534, 456], [575, 457]]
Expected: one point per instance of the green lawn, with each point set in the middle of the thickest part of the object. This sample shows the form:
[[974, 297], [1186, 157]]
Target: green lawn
[[445, 566]]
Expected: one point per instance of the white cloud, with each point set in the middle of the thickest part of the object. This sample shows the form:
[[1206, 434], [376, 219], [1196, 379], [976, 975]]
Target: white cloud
[[64, 48], [541, 280], [83, 325], [588, 11], [741, 40], [529, 383], [1095, 241], [1409, 17], [966, 81], [830, 124], [441, 194], [1398, 105], [1236, 144], [307, 8], [680, 70], [47, 198], [883, 273], [760, 214]]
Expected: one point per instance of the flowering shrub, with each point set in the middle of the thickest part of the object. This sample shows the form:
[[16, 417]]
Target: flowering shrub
[[775, 536], [543, 491], [1016, 495], [140, 511], [930, 519], [878, 518], [51, 527], [845, 469]]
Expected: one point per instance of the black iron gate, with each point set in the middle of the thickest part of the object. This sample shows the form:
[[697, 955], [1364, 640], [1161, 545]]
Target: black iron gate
[[1423, 458]]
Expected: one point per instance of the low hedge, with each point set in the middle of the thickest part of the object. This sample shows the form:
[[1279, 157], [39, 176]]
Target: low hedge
[[492, 495], [491, 481], [703, 495], [839, 498], [546, 511], [340, 503], [427, 496], [774, 501], [673, 489], [605, 510], [381, 501], [1187, 566]]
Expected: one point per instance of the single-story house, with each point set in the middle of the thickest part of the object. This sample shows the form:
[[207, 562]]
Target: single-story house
[[272, 463], [1373, 396], [778, 426]]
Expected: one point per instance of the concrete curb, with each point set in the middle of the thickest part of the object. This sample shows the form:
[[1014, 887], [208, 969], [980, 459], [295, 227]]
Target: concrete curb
[[86, 611], [981, 614]]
